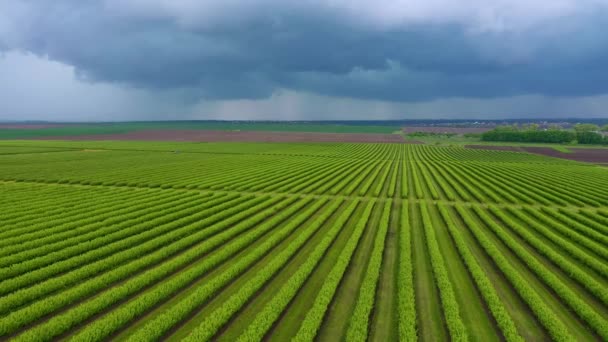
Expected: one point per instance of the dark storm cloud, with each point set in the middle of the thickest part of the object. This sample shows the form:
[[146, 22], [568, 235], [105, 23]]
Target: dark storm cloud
[[236, 50]]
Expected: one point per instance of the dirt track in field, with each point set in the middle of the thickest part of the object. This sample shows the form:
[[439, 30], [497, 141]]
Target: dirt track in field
[[587, 155], [440, 129], [239, 136]]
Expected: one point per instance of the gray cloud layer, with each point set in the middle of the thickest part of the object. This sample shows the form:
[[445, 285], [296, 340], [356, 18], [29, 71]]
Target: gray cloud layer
[[391, 51]]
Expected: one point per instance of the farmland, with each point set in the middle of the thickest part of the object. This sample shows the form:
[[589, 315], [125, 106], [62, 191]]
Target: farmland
[[137, 241], [73, 130]]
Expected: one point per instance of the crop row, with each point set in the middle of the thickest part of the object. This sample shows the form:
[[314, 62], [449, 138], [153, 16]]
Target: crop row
[[266, 317], [602, 221], [43, 288], [311, 323], [567, 242], [48, 304], [450, 306], [71, 217], [405, 280], [158, 326], [158, 230], [580, 226], [43, 211], [89, 229], [487, 290], [548, 219], [422, 173], [352, 174], [331, 186], [569, 297], [186, 251], [220, 316], [358, 325], [42, 196], [542, 311]]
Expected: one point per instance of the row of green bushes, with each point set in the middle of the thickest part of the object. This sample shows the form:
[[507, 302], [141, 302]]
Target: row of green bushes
[[232, 242], [60, 323], [548, 136], [569, 297], [222, 315], [272, 311], [541, 309], [358, 328], [88, 211], [484, 285], [312, 322], [91, 229], [148, 230], [405, 280]]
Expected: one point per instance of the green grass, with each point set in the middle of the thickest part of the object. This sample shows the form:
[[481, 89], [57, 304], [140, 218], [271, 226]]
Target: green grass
[[73, 189]]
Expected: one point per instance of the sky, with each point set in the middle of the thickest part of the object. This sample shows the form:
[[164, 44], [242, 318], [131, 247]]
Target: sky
[[107, 60]]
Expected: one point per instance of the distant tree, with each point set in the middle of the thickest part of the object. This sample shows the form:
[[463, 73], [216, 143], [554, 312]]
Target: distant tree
[[586, 127], [604, 128], [589, 138]]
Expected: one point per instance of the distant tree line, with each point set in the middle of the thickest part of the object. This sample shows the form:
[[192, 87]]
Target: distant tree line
[[582, 134]]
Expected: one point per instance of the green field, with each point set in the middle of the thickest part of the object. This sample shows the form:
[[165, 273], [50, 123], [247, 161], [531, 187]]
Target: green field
[[139, 241], [72, 129]]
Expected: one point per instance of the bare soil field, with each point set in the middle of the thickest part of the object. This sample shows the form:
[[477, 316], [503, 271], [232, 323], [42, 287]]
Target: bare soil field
[[438, 129], [589, 155], [238, 136]]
